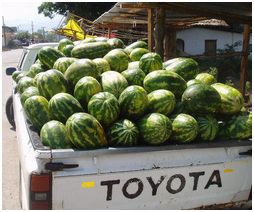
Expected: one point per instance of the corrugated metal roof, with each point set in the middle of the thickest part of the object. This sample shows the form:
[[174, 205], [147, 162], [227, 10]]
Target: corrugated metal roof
[[182, 14]]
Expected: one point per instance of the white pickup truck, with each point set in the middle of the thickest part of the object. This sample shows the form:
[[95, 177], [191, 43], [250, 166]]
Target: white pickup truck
[[200, 175]]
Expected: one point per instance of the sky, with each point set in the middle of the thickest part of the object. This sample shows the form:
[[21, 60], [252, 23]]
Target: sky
[[21, 14]]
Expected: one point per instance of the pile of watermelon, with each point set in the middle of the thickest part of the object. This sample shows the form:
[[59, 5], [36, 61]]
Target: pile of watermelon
[[100, 93]]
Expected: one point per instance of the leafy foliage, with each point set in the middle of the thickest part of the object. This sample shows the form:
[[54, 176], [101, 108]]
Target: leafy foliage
[[88, 10]]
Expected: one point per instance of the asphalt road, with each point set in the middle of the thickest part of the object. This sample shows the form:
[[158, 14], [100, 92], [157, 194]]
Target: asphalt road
[[10, 160]]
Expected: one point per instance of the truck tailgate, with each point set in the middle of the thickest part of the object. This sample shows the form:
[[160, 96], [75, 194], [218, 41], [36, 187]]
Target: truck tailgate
[[167, 177]]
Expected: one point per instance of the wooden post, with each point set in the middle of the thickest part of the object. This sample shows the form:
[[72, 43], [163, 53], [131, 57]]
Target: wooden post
[[150, 27], [159, 31], [244, 61], [109, 32], [170, 44]]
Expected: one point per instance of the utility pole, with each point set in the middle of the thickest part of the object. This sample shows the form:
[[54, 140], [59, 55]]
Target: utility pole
[[32, 31], [4, 32], [43, 32]]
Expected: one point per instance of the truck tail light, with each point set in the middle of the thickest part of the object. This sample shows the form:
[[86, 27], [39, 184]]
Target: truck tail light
[[40, 191]]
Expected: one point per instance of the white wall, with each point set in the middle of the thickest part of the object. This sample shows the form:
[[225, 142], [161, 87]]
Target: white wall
[[194, 39]]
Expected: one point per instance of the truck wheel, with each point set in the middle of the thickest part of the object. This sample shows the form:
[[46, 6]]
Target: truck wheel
[[9, 111]]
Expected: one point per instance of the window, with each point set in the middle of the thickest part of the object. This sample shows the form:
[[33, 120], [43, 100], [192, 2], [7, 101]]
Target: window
[[180, 45], [210, 47]]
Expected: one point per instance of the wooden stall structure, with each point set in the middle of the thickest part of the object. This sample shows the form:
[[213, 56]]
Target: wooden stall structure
[[157, 22]]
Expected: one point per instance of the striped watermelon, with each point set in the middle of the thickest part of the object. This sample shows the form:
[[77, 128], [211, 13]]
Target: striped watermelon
[[37, 111], [51, 82], [208, 127], [102, 65], [15, 75], [137, 44], [155, 128], [133, 102], [206, 78], [133, 65], [35, 69], [167, 80], [36, 77], [31, 91], [150, 62], [104, 107], [134, 76], [64, 42], [91, 50], [161, 101], [24, 83], [63, 63], [137, 53], [187, 68], [85, 131], [113, 82], [21, 75], [123, 133], [179, 108], [79, 69], [48, 56], [67, 50], [185, 128], [117, 59], [85, 88], [54, 135], [231, 99], [193, 82], [116, 43], [201, 98], [63, 105], [237, 127]]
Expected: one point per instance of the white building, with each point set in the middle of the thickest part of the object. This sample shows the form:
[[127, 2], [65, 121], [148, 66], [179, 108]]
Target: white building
[[207, 38]]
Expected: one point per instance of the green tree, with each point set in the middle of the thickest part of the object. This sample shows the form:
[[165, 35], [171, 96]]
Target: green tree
[[88, 10], [37, 35], [23, 36]]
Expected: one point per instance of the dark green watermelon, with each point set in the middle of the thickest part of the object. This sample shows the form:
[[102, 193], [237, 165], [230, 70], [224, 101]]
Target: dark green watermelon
[[37, 111], [237, 127], [113, 82], [208, 127], [231, 99], [167, 80], [123, 133], [187, 68], [48, 56], [104, 107], [64, 42], [79, 69], [206, 78], [30, 91], [184, 128], [201, 99], [116, 43], [24, 83], [133, 102], [161, 101], [155, 128], [85, 88], [150, 62], [63, 105], [54, 135], [85, 131], [51, 82], [117, 59], [137, 53], [134, 76]]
